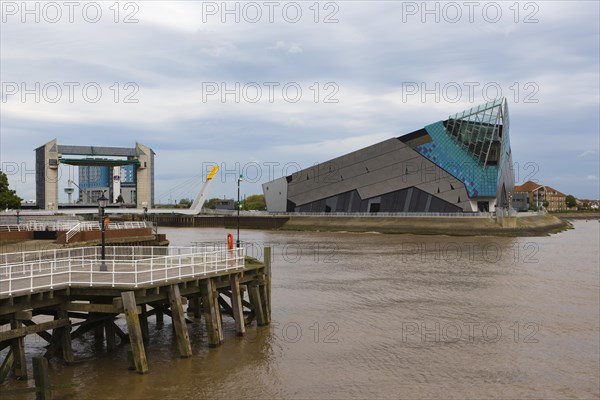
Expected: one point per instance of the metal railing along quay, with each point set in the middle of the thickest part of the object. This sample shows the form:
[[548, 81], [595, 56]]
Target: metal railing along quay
[[477, 214], [387, 214], [28, 272], [207, 212], [68, 225], [39, 226], [95, 226]]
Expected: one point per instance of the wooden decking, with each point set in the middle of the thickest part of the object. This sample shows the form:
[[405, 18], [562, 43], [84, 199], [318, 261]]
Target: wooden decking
[[80, 297]]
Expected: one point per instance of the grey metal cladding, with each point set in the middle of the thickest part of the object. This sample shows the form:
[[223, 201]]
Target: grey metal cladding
[[276, 194], [343, 173], [405, 200], [98, 151], [384, 167]]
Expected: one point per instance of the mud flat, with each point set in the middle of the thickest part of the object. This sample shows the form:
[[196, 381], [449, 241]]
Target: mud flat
[[578, 215], [452, 226], [12, 246]]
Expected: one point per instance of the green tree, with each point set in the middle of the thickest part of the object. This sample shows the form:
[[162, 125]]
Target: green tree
[[255, 202], [211, 203], [8, 198], [571, 201], [545, 204], [185, 203]]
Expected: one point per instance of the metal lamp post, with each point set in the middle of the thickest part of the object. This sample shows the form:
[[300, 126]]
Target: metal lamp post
[[102, 203], [241, 178]]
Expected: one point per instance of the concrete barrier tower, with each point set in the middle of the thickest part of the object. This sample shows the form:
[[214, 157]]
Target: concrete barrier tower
[[49, 157]]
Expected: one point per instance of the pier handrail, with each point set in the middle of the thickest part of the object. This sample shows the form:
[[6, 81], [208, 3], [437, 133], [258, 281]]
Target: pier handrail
[[33, 275], [72, 232], [125, 252]]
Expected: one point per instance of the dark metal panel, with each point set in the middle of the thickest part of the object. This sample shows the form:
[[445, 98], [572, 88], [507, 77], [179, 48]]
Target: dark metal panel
[[97, 151]]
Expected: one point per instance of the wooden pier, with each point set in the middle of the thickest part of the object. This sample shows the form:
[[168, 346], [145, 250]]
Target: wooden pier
[[73, 292]]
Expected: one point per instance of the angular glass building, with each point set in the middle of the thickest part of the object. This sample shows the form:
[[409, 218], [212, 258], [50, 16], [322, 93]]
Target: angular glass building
[[461, 164]]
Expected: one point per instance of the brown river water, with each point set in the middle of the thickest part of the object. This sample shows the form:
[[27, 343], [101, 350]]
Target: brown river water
[[371, 316]]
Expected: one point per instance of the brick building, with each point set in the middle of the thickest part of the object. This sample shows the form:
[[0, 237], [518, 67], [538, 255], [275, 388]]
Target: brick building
[[536, 194]]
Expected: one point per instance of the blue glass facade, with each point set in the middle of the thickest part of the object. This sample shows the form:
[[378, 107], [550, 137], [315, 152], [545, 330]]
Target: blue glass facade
[[91, 177], [474, 147], [127, 174], [480, 181]]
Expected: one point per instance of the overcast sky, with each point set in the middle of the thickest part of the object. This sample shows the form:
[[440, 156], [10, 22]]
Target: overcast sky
[[265, 88]]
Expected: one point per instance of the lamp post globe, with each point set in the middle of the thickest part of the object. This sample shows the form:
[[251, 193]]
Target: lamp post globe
[[102, 201]]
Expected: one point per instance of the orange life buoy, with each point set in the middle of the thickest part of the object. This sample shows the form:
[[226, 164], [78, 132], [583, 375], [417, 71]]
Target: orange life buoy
[[230, 241]]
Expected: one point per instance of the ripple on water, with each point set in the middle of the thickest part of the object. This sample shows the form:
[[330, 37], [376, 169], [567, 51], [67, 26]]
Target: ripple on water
[[356, 304]]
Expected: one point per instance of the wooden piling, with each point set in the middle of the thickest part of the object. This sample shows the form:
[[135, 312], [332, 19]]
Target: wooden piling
[[135, 332], [144, 324], [210, 316], [264, 296], [98, 331], [217, 312], [255, 300], [18, 349], [268, 259], [7, 365], [178, 318], [110, 332], [196, 307], [159, 314], [42, 381], [190, 312], [65, 338], [236, 302]]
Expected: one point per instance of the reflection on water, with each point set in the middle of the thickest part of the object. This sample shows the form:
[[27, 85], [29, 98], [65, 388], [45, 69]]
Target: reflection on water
[[384, 316]]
